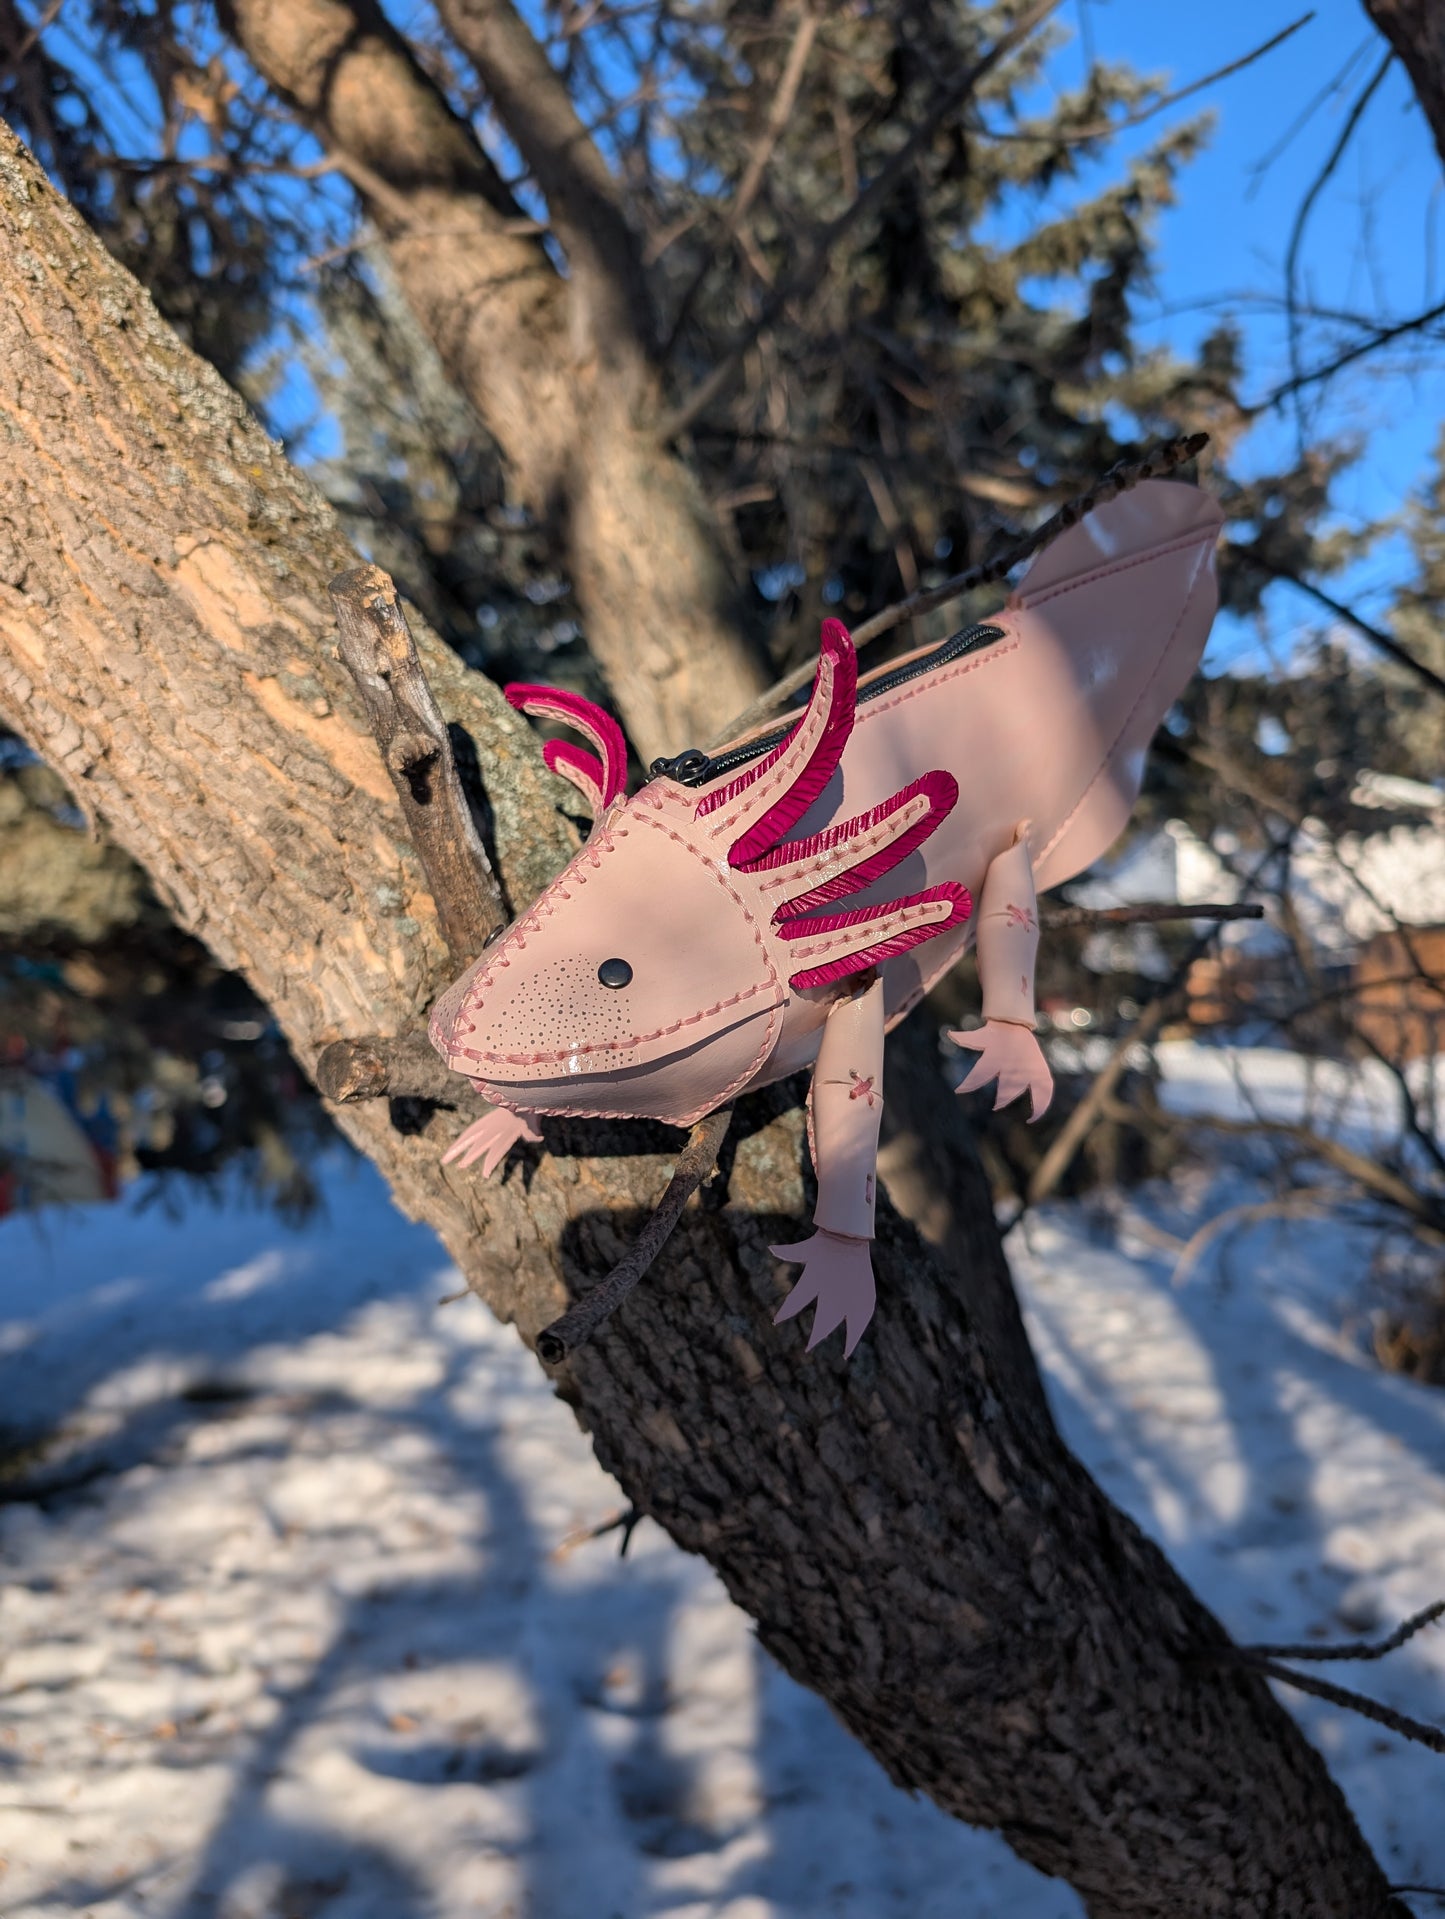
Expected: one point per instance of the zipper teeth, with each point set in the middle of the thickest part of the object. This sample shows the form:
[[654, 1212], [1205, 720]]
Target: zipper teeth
[[966, 640]]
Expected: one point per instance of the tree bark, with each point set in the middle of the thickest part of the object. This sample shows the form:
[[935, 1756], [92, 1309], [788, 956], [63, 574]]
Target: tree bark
[[907, 1530], [561, 371], [1416, 30]]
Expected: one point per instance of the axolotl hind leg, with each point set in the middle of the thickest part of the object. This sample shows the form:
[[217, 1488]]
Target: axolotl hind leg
[[845, 1109], [1007, 944]]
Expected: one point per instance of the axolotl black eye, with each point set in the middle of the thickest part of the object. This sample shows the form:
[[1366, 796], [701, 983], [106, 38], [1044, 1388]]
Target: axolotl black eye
[[615, 973]]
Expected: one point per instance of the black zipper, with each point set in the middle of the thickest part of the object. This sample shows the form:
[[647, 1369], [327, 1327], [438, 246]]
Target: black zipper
[[696, 768]]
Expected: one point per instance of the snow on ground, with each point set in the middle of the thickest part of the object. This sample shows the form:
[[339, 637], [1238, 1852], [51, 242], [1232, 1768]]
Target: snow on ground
[[288, 1628], [304, 1647]]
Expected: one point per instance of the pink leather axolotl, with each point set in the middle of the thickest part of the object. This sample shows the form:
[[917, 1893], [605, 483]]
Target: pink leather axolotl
[[787, 901]]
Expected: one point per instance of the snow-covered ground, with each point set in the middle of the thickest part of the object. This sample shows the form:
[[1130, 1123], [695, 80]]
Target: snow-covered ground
[[291, 1626]]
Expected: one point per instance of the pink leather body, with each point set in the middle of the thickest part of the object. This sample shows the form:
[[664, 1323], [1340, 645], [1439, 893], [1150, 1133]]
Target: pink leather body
[[1048, 724]]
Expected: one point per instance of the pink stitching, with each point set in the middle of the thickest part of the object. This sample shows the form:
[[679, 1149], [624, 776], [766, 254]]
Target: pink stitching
[[1164, 652], [759, 782], [618, 1045], [871, 709], [1196, 538], [883, 927], [850, 852], [545, 906]]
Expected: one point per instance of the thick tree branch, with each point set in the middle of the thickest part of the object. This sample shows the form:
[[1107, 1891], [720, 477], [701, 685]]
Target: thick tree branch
[[583, 200], [659, 605], [907, 1531]]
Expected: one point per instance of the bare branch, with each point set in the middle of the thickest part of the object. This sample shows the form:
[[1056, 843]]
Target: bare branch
[[694, 1163], [1355, 1166], [1102, 129], [626, 1522], [379, 653], [16, 59], [784, 100], [1077, 1127], [1149, 913], [1363, 1649], [1291, 263], [817, 250], [1311, 1200], [1415, 1730], [1377, 336], [783, 103], [1377, 637]]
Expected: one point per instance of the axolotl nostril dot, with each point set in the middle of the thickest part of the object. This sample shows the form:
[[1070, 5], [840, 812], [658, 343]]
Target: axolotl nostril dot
[[615, 973]]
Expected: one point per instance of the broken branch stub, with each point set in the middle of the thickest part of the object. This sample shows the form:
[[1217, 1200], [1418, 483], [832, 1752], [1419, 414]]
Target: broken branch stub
[[378, 651], [376, 1068]]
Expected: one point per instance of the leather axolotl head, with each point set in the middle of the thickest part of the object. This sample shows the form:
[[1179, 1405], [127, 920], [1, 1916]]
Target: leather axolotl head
[[650, 979]]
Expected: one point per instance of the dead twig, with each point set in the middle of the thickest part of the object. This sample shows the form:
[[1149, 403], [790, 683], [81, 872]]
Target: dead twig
[[1072, 1134], [1415, 1730], [779, 113], [1077, 1127], [1355, 1166], [625, 1521], [694, 1163], [1363, 1649], [1299, 1205], [1296, 238], [1377, 336], [379, 653], [1147, 913], [13, 62], [1267, 1660]]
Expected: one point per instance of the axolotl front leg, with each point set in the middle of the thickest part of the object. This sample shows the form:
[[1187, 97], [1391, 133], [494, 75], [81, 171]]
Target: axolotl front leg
[[1007, 945], [845, 1111], [490, 1138]]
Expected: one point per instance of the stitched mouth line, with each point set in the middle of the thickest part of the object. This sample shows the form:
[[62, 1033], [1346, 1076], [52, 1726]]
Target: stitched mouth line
[[538, 1057]]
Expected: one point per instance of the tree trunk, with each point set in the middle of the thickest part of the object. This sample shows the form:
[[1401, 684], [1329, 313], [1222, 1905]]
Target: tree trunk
[[907, 1530], [1416, 30], [561, 371]]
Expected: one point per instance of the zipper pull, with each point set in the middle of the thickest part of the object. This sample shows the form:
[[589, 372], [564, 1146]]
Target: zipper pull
[[689, 768]]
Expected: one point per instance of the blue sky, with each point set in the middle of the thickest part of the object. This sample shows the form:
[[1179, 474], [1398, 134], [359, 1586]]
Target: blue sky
[[1373, 244]]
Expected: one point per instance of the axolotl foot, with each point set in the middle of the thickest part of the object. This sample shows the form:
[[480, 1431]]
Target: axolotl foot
[[490, 1139], [1012, 1055], [838, 1276]]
